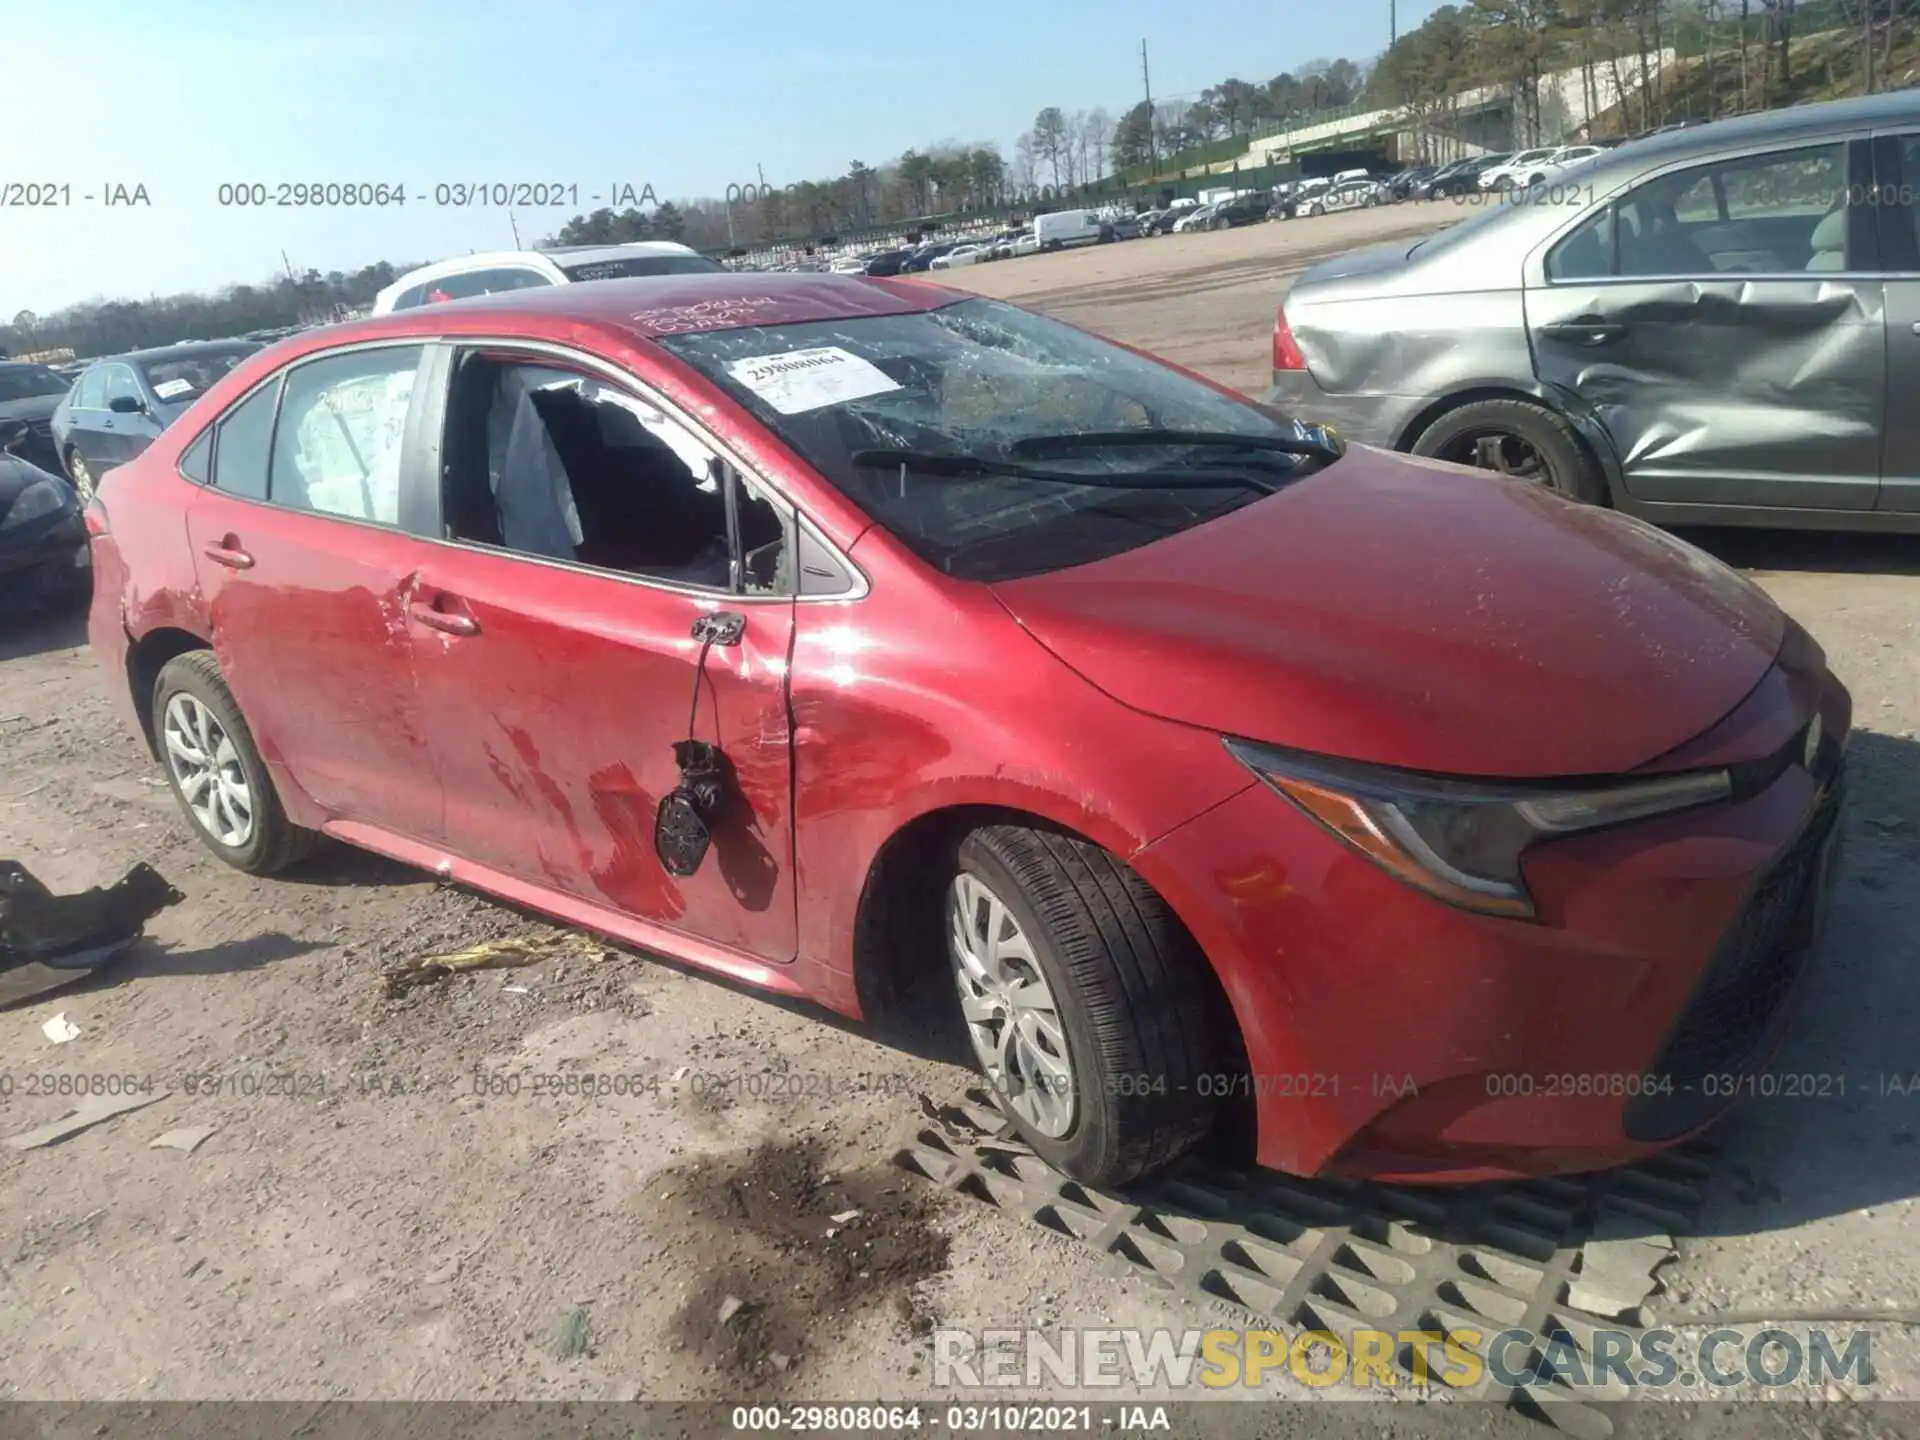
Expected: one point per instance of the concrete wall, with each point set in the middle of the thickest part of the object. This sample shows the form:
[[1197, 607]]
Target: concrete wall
[[1484, 120]]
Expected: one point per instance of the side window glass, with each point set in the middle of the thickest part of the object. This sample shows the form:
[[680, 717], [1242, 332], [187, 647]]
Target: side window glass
[[1759, 214], [196, 461], [559, 464], [410, 298], [1586, 254], [241, 444], [121, 384], [92, 394], [336, 450]]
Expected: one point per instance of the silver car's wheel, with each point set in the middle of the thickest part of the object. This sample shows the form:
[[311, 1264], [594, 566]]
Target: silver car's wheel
[[1011, 1014], [82, 477], [207, 768]]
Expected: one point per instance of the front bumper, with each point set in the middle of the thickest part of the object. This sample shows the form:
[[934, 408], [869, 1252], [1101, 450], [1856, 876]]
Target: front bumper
[[1393, 1037], [49, 540]]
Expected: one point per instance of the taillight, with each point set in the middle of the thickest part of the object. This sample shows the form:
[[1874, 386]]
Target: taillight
[[95, 514], [1286, 354]]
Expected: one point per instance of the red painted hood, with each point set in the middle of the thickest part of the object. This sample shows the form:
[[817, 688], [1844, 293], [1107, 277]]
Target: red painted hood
[[1413, 613]]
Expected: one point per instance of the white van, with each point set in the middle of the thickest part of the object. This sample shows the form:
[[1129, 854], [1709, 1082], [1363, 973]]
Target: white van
[[1069, 227]]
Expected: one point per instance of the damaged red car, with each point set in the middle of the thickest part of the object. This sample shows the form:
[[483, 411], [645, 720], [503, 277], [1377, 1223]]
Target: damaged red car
[[841, 634]]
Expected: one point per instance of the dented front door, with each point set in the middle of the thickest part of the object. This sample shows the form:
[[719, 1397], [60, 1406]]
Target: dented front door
[[1724, 321], [1729, 390], [554, 701]]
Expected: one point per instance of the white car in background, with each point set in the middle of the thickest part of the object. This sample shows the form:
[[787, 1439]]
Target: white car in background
[[492, 271], [1561, 159], [958, 256], [1516, 172], [1195, 219]]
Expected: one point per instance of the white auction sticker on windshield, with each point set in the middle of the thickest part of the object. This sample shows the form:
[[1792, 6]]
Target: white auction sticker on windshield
[[167, 389], [803, 380]]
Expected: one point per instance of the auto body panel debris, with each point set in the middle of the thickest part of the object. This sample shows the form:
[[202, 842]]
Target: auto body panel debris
[[89, 1113], [49, 940], [60, 1029], [188, 1138], [493, 955]]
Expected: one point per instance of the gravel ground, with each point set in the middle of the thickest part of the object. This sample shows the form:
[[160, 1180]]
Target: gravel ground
[[378, 1215]]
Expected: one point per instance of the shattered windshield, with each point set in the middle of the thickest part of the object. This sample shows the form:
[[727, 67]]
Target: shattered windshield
[[876, 403]]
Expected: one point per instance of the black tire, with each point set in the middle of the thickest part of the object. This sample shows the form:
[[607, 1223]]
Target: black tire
[[1566, 466], [275, 841], [1132, 992]]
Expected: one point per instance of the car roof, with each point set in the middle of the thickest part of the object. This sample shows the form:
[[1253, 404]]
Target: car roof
[[660, 305], [186, 350], [538, 259]]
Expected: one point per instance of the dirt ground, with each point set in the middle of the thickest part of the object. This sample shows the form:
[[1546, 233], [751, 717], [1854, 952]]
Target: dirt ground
[[410, 1198]]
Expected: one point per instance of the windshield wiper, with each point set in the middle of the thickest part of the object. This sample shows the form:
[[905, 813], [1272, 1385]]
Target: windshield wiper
[[1041, 447], [959, 466]]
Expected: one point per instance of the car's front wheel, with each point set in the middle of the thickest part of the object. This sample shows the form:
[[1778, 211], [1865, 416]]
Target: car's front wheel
[[1085, 1001], [1519, 439], [215, 770]]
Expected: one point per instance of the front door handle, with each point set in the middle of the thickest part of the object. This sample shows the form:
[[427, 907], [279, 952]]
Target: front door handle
[[1916, 327], [229, 554], [447, 622], [1587, 330]]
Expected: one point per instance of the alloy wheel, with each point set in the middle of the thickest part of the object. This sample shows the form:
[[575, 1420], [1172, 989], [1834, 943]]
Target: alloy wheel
[[1011, 1014], [81, 475], [206, 767]]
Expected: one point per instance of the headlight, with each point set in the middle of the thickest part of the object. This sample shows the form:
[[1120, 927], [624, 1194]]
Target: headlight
[[1461, 840], [43, 497]]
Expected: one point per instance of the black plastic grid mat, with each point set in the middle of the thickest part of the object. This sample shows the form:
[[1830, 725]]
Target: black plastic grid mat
[[1340, 1255]]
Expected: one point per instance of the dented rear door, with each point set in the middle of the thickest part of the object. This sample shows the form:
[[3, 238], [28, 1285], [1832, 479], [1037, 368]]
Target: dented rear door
[[1732, 350]]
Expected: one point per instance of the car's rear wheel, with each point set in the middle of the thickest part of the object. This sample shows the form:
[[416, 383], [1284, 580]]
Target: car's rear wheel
[[216, 772], [1519, 439], [1085, 1001], [77, 471]]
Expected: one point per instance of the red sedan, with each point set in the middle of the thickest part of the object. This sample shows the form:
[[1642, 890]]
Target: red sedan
[[829, 633]]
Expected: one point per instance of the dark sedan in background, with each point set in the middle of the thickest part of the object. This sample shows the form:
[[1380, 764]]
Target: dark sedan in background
[[29, 394], [1460, 178], [44, 554], [1702, 327], [120, 405]]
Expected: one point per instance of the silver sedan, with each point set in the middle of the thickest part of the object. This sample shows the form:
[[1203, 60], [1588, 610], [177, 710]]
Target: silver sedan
[[1700, 327]]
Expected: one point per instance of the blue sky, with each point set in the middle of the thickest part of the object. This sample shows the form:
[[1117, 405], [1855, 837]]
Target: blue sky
[[688, 97]]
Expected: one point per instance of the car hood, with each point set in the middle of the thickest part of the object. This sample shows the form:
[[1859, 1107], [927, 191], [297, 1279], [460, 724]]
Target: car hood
[[16, 476], [1413, 613], [32, 407]]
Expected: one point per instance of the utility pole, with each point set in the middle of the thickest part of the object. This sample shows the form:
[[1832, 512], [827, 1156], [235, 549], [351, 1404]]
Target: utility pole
[[1393, 23], [515, 228], [1153, 147]]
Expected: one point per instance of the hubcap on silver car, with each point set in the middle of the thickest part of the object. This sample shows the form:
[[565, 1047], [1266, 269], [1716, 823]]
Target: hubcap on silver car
[[1011, 1014], [207, 769]]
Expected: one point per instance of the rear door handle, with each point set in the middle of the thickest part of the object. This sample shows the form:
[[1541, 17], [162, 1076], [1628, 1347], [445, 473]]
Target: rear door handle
[[1587, 330], [448, 622], [229, 554]]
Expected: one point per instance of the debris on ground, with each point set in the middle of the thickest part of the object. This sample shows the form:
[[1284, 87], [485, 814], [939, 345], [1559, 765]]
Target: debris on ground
[[574, 1337], [506, 954], [49, 940], [1617, 1266], [89, 1112], [60, 1029], [730, 1307], [188, 1138]]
